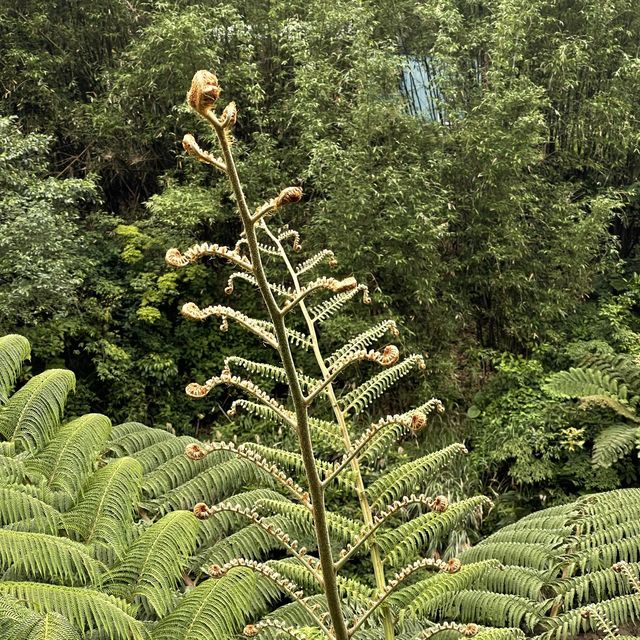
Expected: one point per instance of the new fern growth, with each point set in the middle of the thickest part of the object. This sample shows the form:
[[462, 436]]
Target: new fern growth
[[325, 603]]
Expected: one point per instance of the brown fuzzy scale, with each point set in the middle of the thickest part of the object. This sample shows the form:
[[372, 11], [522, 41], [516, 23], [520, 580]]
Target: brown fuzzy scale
[[204, 91]]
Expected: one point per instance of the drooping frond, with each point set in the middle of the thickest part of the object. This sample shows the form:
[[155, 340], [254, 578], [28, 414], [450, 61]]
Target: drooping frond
[[105, 508], [48, 557], [618, 611], [417, 599], [362, 396], [594, 386], [69, 457], [615, 442], [424, 532], [14, 350], [85, 608], [153, 565], [51, 626], [411, 475], [32, 414], [18, 506], [538, 556], [137, 440], [214, 609]]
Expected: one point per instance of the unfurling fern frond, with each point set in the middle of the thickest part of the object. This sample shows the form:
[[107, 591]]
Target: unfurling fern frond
[[33, 413], [14, 350], [372, 389], [410, 476]]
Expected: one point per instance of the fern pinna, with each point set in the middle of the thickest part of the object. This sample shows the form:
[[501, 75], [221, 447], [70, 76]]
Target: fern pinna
[[607, 380], [396, 524]]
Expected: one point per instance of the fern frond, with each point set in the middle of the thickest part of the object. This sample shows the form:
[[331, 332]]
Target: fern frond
[[535, 556], [618, 610], [212, 485], [324, 310], [85, 608], [137, 440], [177, 471], [408, 477], [372, 389], [151, 568], [416, 599], [363, 340], [69, 457], [425, 531], [14, 350], [106, 506], [268, 371], [343, 529], [32, 415], [613, 443], [154, 456], [592, 386], [48, 557], [17, 505], [51, 626], [247, 277], [296, 338], [294, 462], [312, 262], [215, 609]]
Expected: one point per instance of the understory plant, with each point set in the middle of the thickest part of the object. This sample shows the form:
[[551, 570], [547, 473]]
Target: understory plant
[[387, 525]]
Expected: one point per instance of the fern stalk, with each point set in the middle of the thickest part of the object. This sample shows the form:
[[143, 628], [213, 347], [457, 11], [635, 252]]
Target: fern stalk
[[365, 507], [276, 314]]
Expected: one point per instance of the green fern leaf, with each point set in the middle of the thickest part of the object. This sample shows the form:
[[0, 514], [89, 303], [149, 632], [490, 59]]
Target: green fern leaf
[[48, 557], [69, 457], [16, 505], [410, 476], [214, 609], [32, 415], [424, 532], [372, 389], [613, 443], [14, 350], [151, 568], [85, 608], [137, 440], [106, 506], [157, 454]]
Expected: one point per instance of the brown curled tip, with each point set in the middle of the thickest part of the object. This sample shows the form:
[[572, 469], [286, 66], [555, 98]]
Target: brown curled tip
[[215, 571], [288, 196], [194, 451], [418, 421], [250, 630], [204, 91], [440, 504], [470, 630], [390, 355], [453, 566], [201, 511]]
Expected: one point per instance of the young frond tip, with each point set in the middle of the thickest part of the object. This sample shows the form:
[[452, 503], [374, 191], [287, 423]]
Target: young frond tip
[[288, 196], [190, 145], [204, 92]]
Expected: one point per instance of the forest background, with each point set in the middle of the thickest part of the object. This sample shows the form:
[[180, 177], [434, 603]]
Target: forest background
[[476, 164]]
